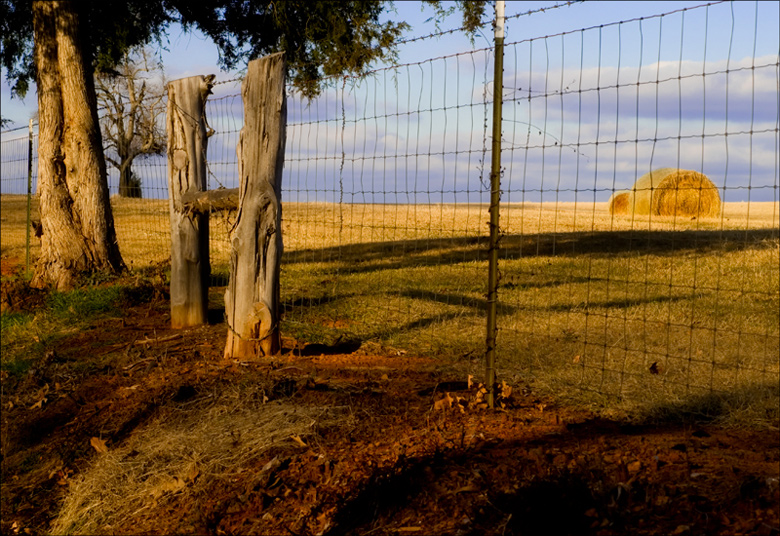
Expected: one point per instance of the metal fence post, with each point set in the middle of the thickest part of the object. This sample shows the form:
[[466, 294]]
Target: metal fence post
[[495, 198], [29, 195]]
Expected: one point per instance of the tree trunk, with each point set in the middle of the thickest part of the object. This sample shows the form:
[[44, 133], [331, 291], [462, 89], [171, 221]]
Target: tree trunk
[[252, 297], [187, 141], [78, 226], [127, 186]]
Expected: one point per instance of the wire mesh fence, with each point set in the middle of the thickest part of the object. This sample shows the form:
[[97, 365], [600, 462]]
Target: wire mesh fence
[[385, 209], [663, 305]]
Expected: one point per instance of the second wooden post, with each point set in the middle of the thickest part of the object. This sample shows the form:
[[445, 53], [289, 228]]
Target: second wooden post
[[252, 303]]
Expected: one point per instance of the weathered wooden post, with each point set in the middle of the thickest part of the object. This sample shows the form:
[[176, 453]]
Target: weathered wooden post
[[187, 141], [252, 298]]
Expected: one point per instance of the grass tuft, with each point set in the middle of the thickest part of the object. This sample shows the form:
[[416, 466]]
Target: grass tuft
[[181, 452], [84, 304]]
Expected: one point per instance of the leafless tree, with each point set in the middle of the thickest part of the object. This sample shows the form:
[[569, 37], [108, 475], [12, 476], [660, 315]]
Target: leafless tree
[[132, 100]]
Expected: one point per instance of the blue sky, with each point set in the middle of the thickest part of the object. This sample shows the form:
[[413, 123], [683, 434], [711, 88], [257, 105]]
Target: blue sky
[[573, 109]]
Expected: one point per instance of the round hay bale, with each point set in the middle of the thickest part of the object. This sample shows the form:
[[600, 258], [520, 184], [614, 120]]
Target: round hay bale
[[674, 192], [618, 203]]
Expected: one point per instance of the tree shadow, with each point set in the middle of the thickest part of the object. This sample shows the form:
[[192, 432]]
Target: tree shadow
[[535, 494], [553, 505], [308, 302], [347, 346], [460, 300], [378, 256]]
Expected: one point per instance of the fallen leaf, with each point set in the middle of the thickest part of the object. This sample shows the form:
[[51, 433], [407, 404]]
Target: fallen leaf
[[193, 473], [444, 403], [168, 485], [298, 440], [470, 381], [461, 403], [471, 488], [53, 473], [99, 445], [39, 404], [681, 529], [62, 478], [655, 369], [622, 474], [576, 359], [506, 390], [125, 391]]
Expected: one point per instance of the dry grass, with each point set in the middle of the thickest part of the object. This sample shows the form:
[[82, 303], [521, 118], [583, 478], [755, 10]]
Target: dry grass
[[589, 300], [180, 452], [674, 192]]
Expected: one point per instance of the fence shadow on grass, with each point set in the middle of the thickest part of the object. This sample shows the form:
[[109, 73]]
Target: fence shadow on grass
[[714, 406], [459, 300], [443, 251]]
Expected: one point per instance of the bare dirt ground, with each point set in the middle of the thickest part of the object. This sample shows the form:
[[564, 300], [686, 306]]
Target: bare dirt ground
[[403, 463]]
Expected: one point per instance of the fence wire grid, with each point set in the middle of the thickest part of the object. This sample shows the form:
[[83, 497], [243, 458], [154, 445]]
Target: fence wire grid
[[386, 192]]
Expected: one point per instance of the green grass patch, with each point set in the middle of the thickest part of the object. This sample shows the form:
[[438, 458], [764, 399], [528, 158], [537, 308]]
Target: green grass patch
[[26, 336], [82, 305]]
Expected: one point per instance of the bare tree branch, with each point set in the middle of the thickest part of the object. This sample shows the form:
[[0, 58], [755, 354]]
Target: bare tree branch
[[132, 100]]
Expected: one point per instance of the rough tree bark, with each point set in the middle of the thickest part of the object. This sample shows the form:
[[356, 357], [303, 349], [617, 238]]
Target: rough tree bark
[[76, 219], [252, 298], [187, 142]]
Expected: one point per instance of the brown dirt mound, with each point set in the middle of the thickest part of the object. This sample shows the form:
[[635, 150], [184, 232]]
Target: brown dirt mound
[[674, 192]]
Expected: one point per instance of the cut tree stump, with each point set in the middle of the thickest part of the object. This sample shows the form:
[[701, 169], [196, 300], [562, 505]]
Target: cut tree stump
[[252, 303], [187, 142]]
